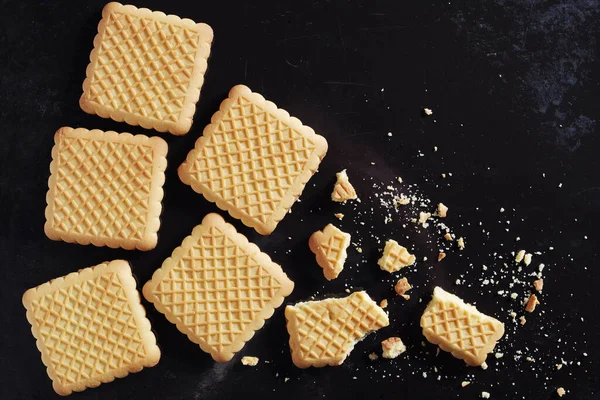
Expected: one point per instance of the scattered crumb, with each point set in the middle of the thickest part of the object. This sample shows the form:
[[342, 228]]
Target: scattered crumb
[[399, 179], [347, 290], [373, 356], [442, 210], [461, 243], [485, 395], [484, 366], [522, 320], [448, 236], [527, 258], [499, 355], [359, 249], [538, 285], [465, 383], [444, 176], [558, 366], [285, 380], [339, 216], [392, 347], [250, 361], [402, 286], [561, 392], [402, 201], [513, 296], [383, 303], [434, 148], [423, 217], [457, 282], [519, 256], [531, 303], [441, 256], [406, 297], [427, 111]]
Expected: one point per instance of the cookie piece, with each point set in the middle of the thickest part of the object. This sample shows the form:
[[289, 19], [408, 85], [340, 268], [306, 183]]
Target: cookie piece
[[460, 328], [395, 257], [91, 327], [325, 332], [253, 160], [392, 347], [105, 188], [343, 189], [146, 68], [329, 246], [218, 288]]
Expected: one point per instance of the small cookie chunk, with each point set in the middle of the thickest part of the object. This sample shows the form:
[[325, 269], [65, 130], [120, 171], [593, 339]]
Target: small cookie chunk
[[402, 287], [329, 246], [253, 160], [423, 217], [392, 347], [373, 356], [442, 210], [538, 285], [527, 259], [218, 288], [427, 111], [395, 257], [325, 332], [441, 256], [519, 256], [383, 303], [460, 328], [105, 188], [343, 189], [250, 361], [448, 236], [339, 216], [531, 303], [461, 243], [561, 392], [146, 68], [91, 327]]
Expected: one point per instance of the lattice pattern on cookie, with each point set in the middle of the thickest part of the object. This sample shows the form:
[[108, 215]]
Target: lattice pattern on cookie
[[460, 328], [217, 290], [103, 188], [325, 332], [90, 327], [395, 257], [145, 65], [343, 189], [329, 245], [253, 160]]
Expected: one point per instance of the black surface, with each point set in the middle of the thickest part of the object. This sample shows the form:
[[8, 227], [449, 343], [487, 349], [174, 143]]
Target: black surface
[[514, 90]]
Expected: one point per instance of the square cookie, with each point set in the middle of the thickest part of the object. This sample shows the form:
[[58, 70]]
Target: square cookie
[[91, 327], [105, 188], [253, 160], [218, 288], [146, 68]]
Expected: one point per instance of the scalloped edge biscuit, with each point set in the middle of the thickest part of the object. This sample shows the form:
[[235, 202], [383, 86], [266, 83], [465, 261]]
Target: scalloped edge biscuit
[[293, 192], [250, 249], [159, 165], [128, 284], [183, 125]]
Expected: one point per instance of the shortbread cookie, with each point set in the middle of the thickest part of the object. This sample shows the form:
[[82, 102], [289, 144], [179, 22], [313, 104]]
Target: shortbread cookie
[[91, 327], [392, 347], [343, 189], [253, 160], [105, 188], [395, 257], [146, 68], [460, 328], [325, 332], [218, 288], [329, 246]]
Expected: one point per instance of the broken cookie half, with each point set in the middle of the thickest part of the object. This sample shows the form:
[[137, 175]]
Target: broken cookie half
[[459, 328], [325, 332], [329, 246], [343, 189]]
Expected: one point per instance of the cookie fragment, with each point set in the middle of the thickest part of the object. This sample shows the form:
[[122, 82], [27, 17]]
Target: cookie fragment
[[532, 303], [325, 332], [392, 347], [395, 257], [402, 286], [460, 328], [442, 210], [250, 361], [538, 285], [329, 245], [343, 189]]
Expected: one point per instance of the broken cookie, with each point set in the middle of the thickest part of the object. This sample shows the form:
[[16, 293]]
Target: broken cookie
[[329, 246], [343, 189], [395, 257]]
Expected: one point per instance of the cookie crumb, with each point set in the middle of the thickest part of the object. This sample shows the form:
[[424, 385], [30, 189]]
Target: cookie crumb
[[343, 189], [399, 179], [441, 256], [427, 111], [485, 395], [519, 256], [250, 361], [402, 286], [531, 303], [561, 392], [406, 297], [465, 383], [461, 243], [339, 216], [484, 366], [373, 356], [538, 285], [448, 236], [527, 259], [383, 303], [423, 217], [558, 366], [499, 355], [522, 320], [392, 347], [442, 210]]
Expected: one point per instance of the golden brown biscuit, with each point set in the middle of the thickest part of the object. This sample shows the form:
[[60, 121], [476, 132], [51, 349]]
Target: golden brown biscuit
[[329, 246]]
